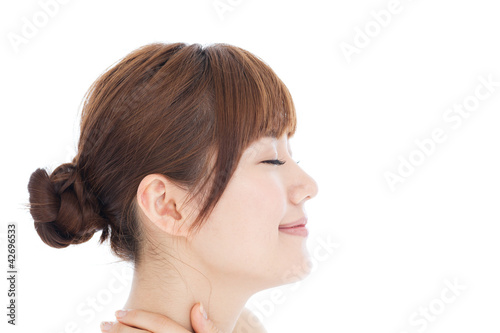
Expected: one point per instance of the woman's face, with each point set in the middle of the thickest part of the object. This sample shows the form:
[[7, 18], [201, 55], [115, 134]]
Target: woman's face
[[241, 238]]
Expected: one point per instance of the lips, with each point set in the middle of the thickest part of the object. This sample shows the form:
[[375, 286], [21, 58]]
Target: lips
[[297, 228], [297, 224]]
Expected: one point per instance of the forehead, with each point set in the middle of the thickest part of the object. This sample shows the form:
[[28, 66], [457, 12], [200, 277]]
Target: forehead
[[267, 143], [264, 143]]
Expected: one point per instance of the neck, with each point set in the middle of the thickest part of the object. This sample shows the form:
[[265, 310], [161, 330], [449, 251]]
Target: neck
[[172, 291]]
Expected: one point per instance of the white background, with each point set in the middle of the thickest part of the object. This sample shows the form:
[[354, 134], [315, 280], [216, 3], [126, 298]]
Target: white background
[[358, 116]]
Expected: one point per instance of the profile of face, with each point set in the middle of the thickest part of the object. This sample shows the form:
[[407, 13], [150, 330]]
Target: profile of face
[[241, 239]]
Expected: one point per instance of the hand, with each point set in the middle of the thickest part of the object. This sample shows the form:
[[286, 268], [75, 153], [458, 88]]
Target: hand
[[137, 321]]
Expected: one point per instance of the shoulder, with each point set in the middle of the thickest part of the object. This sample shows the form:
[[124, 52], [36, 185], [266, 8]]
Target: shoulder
[[248, 322]]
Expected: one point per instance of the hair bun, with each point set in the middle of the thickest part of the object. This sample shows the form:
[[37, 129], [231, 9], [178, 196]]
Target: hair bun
[[63, 211]]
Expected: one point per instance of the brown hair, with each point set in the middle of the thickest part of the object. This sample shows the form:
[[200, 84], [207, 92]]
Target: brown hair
[[169, 109]]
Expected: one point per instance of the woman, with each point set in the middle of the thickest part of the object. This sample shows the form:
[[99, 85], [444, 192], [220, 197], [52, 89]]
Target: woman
[[184, 164]]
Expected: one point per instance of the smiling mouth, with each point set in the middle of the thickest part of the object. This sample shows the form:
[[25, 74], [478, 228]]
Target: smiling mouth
[[297, 228], [299, 223]]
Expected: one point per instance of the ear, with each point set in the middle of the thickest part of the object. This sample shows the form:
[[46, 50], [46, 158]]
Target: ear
[[160, 201]]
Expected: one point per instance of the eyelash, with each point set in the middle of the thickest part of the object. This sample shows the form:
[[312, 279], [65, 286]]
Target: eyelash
[[277, 162]]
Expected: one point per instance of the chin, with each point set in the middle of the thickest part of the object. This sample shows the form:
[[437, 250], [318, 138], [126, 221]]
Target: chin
[[296, 271]]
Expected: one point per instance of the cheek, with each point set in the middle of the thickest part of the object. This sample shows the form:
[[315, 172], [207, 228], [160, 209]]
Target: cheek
[[245, 223], [259, 206]]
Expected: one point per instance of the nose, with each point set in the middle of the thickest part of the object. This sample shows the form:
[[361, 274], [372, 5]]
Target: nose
[[303, 188]]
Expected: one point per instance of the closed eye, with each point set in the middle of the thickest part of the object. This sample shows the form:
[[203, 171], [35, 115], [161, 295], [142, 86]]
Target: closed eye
[[275, 162]]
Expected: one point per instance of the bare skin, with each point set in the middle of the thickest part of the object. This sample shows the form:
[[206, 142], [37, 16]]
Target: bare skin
[[240, 249], [136, 321]]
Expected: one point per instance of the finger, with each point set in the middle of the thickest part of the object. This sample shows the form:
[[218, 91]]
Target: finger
[[200, 321], [149, 321], [116, 327]]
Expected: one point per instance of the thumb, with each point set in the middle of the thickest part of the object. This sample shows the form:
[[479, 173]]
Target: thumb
[[200, 321]]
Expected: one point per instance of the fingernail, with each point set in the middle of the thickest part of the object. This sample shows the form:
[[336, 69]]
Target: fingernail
[[106, 326], [121, 313], [202, 310]]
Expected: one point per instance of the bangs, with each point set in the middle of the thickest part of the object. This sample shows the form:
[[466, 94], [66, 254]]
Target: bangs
[[251, 100], [273, 105]]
